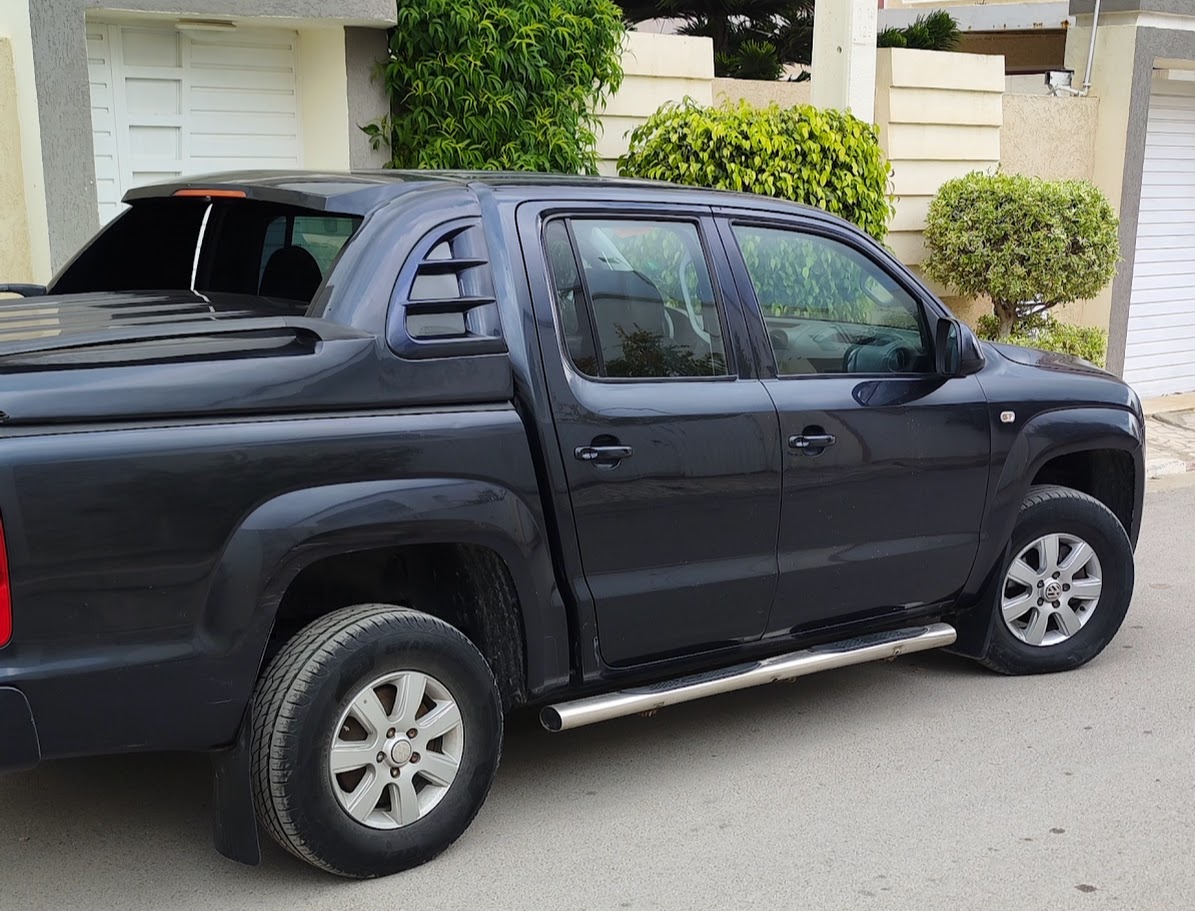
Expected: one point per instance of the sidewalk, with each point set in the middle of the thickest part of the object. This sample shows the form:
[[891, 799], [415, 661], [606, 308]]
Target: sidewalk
[[1169, 435]]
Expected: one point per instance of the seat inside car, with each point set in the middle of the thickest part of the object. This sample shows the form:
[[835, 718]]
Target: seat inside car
[[291, 273]]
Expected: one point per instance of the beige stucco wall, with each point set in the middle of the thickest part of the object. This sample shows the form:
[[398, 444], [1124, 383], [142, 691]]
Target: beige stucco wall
[[1112, 84], [323, 98], [16, 263], [656, 69], [762, 93], [22, 96], [1052, 138]]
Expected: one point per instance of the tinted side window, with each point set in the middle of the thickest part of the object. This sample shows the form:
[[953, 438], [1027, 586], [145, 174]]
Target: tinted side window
[[635, 298], [247, 247], [298, 252], [150, 246], [829, 308]]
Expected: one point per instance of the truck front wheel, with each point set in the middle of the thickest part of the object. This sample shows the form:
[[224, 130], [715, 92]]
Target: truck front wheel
[[377, 733], [1065, 585]]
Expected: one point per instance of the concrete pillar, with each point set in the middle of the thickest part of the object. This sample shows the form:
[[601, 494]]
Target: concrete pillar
[[844, 56]]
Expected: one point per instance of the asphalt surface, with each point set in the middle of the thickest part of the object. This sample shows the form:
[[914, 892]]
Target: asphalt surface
[[925, 783]]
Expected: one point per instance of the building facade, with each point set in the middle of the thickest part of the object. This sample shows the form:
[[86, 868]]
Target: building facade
[[103, 100]]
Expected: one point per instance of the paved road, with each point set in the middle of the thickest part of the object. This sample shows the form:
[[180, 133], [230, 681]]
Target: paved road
[[922, 784]]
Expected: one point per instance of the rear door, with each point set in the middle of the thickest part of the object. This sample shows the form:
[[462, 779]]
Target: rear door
[[886, 462], [670, 445]]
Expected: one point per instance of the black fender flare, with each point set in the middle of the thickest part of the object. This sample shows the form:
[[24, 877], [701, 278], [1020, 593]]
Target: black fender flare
[[1044, 437], [289, 532]]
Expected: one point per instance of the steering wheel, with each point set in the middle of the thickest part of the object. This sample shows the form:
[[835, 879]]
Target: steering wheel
[[878, 356]]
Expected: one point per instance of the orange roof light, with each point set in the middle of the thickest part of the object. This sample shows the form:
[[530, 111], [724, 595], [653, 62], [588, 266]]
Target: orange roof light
[[210, 194]]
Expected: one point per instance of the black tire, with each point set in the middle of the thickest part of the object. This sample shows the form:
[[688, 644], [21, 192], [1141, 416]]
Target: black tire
[[296, 709], [1050, 510]]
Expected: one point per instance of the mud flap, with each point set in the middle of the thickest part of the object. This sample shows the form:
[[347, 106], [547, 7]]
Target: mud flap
[[234, 823], [974, 624]]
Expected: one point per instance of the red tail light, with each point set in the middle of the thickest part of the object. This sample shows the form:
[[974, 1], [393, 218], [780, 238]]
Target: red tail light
[[5, 592]]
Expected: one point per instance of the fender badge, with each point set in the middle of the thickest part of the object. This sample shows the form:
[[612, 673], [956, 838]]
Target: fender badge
[[1007, 417]]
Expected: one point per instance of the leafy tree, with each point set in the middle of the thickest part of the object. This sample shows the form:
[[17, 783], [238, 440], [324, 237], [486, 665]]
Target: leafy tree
[[753, 39], [1025, 243], [936, 31], [756, 39], [499, 84]]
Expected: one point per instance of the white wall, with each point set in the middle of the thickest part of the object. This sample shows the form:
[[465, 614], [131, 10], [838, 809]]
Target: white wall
[[656, 69], [940, 117]]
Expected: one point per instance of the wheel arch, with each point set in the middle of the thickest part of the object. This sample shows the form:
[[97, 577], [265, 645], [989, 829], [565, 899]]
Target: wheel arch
[[1052, 447], [288, 535]]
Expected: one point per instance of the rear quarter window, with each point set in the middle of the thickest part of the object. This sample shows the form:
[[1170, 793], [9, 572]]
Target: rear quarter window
[[239, 246]]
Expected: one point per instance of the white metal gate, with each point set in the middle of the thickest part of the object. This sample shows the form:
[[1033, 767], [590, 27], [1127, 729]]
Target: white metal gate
[[166, 103], [1160, 345]]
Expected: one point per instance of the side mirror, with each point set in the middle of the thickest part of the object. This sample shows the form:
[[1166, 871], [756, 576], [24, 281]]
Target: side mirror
[[947, 347], [23, 290]]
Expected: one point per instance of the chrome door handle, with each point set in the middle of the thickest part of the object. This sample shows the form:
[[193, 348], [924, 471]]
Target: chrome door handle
[[602, 453], [812, 441]]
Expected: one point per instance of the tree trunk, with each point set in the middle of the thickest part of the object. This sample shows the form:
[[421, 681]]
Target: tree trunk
[[720, 26], [1006, 316]]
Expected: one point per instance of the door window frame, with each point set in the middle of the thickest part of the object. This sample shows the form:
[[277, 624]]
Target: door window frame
[[700, 222], [727, 219]]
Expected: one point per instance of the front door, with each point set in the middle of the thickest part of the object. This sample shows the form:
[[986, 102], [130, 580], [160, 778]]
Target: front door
[[672, 455], [886, 462]]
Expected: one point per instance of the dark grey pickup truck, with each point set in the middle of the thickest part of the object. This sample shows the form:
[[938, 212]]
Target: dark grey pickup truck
[[325, 474]]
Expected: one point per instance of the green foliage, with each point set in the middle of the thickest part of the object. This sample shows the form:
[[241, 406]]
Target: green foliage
[[1043, 331], [823, 158], [1027, 244], [499, 84], [936, 31], [753, 60], [753, 39], [647, 353]]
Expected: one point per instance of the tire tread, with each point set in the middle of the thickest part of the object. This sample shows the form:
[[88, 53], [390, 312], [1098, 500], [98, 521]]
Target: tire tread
[[286, 686], [994, 659]]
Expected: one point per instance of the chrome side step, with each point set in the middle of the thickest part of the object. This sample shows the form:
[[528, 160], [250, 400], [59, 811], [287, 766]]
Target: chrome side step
[[564, 716]]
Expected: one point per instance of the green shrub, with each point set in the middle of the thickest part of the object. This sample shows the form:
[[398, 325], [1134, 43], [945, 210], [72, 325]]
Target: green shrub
[[499, 84], [1025, 243], [1044, 332], [936, 31], [823, 158]]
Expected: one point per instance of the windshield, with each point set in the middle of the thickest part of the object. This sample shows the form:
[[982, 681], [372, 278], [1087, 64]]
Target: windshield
[[238, 246]]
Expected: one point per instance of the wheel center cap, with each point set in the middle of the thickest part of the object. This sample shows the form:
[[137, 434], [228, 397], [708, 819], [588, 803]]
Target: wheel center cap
[[1053, 590], [400, 753]]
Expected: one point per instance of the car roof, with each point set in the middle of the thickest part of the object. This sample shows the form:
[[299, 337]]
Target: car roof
[[360, 192]]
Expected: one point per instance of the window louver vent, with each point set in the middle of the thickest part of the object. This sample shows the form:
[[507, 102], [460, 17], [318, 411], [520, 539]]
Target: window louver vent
[[445, 305]]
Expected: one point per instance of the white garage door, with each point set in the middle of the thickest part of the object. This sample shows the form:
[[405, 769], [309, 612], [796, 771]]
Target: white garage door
[[1160, 346], [166, 103]]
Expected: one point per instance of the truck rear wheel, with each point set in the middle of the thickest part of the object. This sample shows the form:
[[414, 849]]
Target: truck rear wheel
[[1065, 585], [376, 735]]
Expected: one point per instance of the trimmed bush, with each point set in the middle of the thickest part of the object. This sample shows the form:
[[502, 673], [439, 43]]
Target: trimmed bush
[[1049, 334], [499, 85], [1027, 244], [823, 158]]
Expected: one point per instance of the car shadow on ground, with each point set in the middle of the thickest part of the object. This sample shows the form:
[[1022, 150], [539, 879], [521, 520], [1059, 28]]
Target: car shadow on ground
[[118, 823]]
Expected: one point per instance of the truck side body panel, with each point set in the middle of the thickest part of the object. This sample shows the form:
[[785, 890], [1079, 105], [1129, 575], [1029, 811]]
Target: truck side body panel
[[147, 560]]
